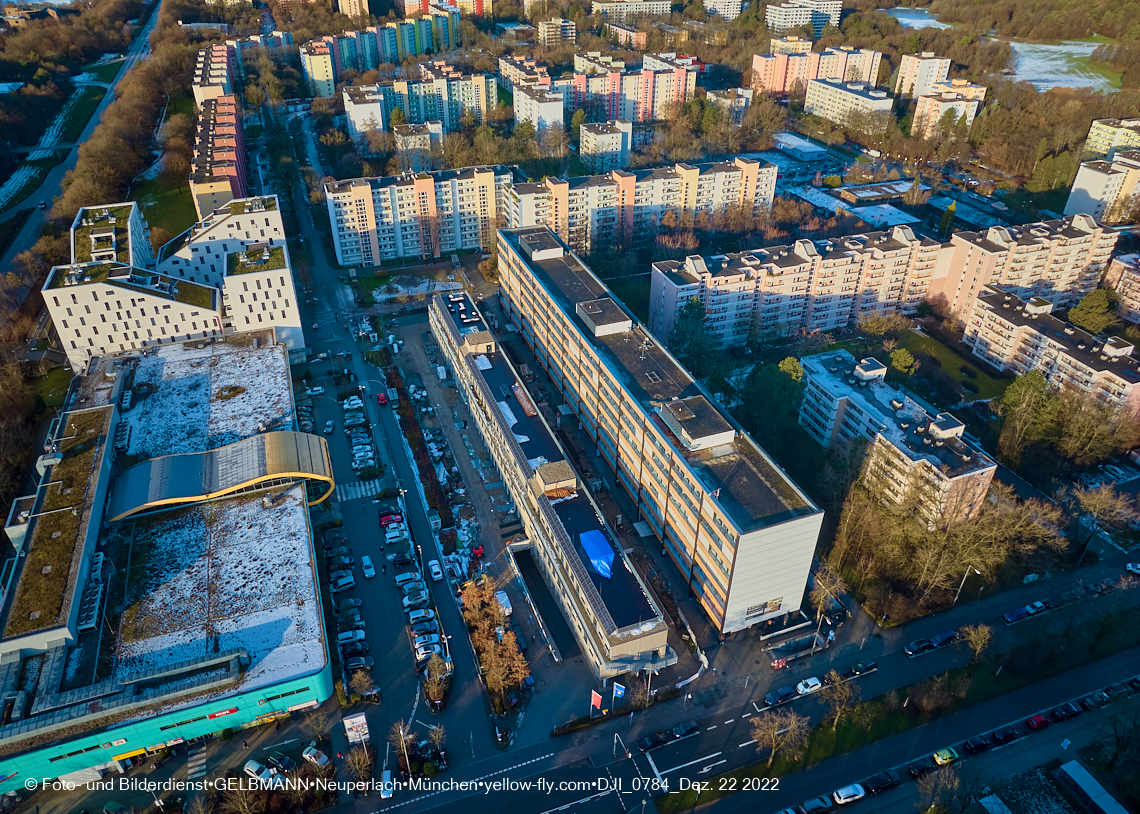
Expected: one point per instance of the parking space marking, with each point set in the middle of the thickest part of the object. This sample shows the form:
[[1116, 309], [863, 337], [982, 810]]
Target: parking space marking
[[653, 766], [710, 767], [746, 715]]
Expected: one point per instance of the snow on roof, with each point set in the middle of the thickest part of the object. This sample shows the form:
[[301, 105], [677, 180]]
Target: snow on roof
[[228, 574], [178, 407]]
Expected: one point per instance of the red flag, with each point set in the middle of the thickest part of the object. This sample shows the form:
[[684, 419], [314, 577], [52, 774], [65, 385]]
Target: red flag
[[595, 699]]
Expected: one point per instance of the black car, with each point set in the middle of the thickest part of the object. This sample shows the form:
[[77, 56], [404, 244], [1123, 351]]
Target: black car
[[924, 765], [403, 558], [520, 637], [428, 626], [918, 647], [1118, 690], [780, 696], [1095, 701], [1065, 711], [651, 741], [281, 762], [685, 730], [360, 663], [881, 782], [354, 649], [338, 551], [978, 744], [864, 667], [1004, 735], [336, 563], [346, 604]]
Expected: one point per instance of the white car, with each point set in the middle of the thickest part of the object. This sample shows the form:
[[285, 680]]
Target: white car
[[415, 600], [396, 528], [808, 686], [426, 639], [420, 616], [342, 584], [504, 602], [426, 651], [367, 567], [315, 391], [353, 403], [329, 426], [314, 755], [263, 774], [1133, 567], [436, 570], [848, 794], [349, 636]]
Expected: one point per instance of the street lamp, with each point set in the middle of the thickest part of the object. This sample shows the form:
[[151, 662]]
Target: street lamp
[[963, 582]]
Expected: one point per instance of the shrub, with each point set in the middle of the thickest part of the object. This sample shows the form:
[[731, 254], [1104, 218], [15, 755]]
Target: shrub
[[968, 371], [969, 387]]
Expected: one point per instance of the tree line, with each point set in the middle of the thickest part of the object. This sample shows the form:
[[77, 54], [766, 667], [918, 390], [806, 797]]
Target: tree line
[[1043, 21]]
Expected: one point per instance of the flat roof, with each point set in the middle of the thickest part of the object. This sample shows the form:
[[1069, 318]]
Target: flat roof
[[129, 278], [753, 490], [94, 219], [791, 140], [883, 215]]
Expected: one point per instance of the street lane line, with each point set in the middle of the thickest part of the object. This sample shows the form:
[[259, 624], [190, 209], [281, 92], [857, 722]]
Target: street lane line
[[693, 762], [730, 720], [746, 715], [710, 767], [710, 728], [746, 743], [576, 802]]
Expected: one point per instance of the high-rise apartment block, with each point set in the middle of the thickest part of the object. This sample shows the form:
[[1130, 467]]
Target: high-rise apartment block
[[605, 146], [111, 297], [421, 215], [613, 615], [782, 290], [1108, 135], [798, 13], [741, 532], [1021, 335], [218, 164], [837, 101], [1106, 189], [790, 72], [540, 107], [353, 8], [250, 48], [516, 69], [1123, 276], [789, 45], [637, 95], [323, 60], [416, 144], [476, 8], [1059, 260], [726, 9], [930, 111], [733, 101], [962, 87], [919, 73], [441, 95], [627, 35], [914, 459], [556, 32], [622, 10]]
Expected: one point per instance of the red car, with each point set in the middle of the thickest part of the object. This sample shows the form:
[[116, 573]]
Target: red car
[[381, 399], [389, 519], [1037, 722]]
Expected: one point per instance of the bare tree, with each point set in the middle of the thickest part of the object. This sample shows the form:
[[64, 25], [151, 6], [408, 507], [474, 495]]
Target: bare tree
[[826, 589], [361, 683], [978, 638], [317, 724], [244, 801], [200, 805], [1100, 508], [780, 731], [839, 695], [436, 737], [359, 762], [400, 736], [1120, 728]]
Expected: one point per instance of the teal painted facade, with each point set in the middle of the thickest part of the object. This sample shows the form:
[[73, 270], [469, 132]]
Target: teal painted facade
[[152, 734]]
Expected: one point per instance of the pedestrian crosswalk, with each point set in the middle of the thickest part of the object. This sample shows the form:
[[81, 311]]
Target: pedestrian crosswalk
[[196, 764], [355, 491]]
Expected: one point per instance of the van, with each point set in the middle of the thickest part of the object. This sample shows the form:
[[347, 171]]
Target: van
[[386, 786], [504, 602], [404, 579]]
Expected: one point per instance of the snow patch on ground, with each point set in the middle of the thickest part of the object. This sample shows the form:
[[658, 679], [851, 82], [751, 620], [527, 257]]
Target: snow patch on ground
[[1033, 792], [75, 660], [184, 413], [411, 286], [224, 575]]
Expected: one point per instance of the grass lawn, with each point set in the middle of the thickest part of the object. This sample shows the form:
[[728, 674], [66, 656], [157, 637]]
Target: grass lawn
[[52, 388], [81, 113], [952, 361], [1090, 64], [106, 72], [506, 98], [44, 164], [11, 227], [165, 206]]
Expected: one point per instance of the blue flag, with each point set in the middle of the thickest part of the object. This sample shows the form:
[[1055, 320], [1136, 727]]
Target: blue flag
[[619, 690]]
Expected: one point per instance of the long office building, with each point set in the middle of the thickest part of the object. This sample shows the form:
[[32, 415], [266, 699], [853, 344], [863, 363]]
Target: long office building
[[1106, 136], [442, 95], [808, 286], [1106, 189], [798, 13], [790, 72], [420, 215], [1020, 335], [742, 533], [915, 458], [613, 615]]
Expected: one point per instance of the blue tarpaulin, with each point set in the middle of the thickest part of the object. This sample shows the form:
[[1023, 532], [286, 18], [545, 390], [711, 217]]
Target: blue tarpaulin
[[599, 551]]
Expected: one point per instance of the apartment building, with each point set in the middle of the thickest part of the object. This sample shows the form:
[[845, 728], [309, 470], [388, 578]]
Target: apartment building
[[556, 32], [416, 145], [605, 146], [1021, 335], [627, 36], [627, 208], [199, 253], [1059, 260], [420, 215], [915, 458], [218, 168], [726, 9], [441, 95], [1106, 136], [250, 48], [476, 8], [930, 110], [733, 101], [1105, 189], [615, 619], [516, 69], [786, 73], [918, 74], [1123, 277], [789, 45], [213, 72], [962, 87], [740, 531], [795, 14], [540, 107], [353, 8], [808, 286], [622, 10], [675, 62], [639, 95], [837, 101], [112, 233]]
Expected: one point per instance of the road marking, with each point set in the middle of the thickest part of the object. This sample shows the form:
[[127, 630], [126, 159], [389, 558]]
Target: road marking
[[692, 762], [357, 491], [757, 708], [196, 765], [281, 743], [746, 715], [746, 743], [653, 766], [710, 767], [576, 802], [710, 728], [730, 720]]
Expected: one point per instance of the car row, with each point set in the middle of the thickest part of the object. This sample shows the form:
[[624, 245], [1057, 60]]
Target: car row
[[920, 646], [782, 695], [679, 732]]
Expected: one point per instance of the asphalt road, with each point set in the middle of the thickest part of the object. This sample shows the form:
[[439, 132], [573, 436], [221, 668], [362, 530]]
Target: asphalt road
[[52, 183]]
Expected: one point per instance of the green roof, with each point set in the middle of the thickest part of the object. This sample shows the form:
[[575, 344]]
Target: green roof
[[242, 206], [199, 296], [81, 235], [234, 264]]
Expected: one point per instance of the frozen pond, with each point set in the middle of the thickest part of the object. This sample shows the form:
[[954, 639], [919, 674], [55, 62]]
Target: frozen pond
[[1046, 66]]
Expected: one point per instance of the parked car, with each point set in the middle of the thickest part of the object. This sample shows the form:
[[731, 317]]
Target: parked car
[[405, 578], [653, 741], [924, 765], [415, 600], [389, 519], [314, 755], [397, 537], [342, 584], [863, 667], [943, 639], [520, 637], [881, 782], [350, 636], [1133, 568], [345, 604], [1095, 700], [387, 787], [339, 551], [366, 567], [426, 639], [340, 562], [435, 570], [504, 602], [403, 558], [1065, 711], [314, 391], [262, 774], [424, 615], [979, 743], [281, 762], [918, 647], [848, 794], [1014, 616], [686, 730], [944, 757], [816, 805], [1037, 722], [357, 648], [335, 575], [360, 663], [1004, 735], [428, 626], [780, 696], [396, 528], [808, 686], [413, 588], [425, 652]]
